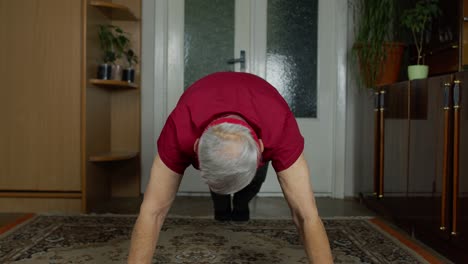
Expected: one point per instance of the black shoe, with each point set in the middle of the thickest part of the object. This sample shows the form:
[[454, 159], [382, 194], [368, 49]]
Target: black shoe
[[222, 206], [222, 216], [240, 215]]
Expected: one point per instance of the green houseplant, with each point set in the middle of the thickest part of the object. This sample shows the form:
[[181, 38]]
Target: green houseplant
[[129, 72], [377, 53], [107, 41], [114, 43], [417, 19], [121, 43]]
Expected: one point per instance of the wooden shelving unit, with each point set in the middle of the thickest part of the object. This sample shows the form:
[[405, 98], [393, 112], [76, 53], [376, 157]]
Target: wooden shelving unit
[[113, 156], [113, 84], [115, 11], [112, 119]]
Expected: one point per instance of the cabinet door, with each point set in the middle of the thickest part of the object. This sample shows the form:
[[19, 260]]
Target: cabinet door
[[395, 151], [460, 156], [430, 129], [40, 104], [396, 125], [368, 141]]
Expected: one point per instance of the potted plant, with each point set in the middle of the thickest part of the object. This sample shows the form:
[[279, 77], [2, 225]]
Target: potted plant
[[121, 42], [417, 19], [377, 52], [107, 41], [129, 72], [114, 42]]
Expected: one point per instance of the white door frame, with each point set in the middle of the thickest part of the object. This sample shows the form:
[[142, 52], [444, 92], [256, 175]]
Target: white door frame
[[332, 75]]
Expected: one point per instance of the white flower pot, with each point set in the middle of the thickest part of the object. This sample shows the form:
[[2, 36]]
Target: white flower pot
[[417, 72]]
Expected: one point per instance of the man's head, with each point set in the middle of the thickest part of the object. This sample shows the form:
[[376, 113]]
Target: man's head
[[229, 154]]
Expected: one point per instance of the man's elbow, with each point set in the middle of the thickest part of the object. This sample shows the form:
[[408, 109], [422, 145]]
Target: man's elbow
[[305, 216], [156, 213]]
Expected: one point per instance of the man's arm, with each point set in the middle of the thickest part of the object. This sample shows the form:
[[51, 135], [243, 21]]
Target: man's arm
[[157, 201], [297, 189]]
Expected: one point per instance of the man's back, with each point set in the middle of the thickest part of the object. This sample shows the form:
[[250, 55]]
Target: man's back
[[225, 93]]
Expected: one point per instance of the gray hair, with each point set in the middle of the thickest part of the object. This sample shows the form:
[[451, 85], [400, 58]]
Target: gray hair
[[228, 157]]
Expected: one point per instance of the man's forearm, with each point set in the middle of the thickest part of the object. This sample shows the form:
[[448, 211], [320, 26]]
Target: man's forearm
[[296, 186], [315, 240], [157, 201], [144, 238]]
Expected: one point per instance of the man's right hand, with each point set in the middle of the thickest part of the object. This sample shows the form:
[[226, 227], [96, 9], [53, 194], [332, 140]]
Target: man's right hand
[[157, 201]]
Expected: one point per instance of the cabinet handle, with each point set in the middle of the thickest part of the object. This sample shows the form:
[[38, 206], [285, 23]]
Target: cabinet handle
[[376, 141], [456, 94], [447, 87], [456, 152], [376, 101], [443, 224], [382, 101], [381, 144]]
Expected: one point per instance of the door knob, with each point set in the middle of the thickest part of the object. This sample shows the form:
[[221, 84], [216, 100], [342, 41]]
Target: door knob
[[240, 60]]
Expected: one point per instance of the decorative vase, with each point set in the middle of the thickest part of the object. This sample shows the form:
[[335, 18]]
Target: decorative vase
[[116, 72], [104, 71], [128, 75], [417, 72]]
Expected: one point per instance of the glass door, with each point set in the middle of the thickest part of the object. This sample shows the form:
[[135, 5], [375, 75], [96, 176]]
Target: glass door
[[280, 42], [205, 36]]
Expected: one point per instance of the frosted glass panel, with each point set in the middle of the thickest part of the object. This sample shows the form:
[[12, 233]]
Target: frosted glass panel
[[292, 53], [209, 37]]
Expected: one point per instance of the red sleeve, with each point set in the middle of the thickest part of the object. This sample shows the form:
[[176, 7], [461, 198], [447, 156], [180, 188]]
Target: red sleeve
[[169, 149], [290, 145]]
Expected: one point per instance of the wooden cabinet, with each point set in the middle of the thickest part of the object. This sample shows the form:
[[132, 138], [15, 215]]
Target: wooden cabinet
[[425, 171], [67, 143], [446, 49], [464, 35]]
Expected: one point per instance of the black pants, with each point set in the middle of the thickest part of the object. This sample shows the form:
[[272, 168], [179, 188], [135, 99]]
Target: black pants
[[240, 202]]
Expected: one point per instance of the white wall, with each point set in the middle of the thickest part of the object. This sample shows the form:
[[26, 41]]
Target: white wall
[[352, 126], [153, 88]]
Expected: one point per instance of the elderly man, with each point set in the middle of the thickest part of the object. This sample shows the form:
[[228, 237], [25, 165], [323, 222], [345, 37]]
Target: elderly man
[[229, 125]]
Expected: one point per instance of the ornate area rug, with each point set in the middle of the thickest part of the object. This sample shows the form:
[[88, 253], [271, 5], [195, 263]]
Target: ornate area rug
[[105, 239]]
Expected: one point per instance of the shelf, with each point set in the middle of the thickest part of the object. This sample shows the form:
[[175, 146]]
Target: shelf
[[113, 84], [113, 156], [115, 11]]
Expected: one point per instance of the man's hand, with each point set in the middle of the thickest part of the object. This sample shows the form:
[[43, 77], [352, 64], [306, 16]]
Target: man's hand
[[157, 201], [297, 190]]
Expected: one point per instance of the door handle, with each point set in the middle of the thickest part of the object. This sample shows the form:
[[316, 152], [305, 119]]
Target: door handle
[[240, 60]]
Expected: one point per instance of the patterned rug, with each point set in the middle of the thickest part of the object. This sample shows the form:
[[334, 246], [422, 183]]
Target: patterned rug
[[105, 239]]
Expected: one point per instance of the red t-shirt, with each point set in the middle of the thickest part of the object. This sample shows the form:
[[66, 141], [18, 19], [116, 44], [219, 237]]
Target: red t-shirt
[[224, 93]]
